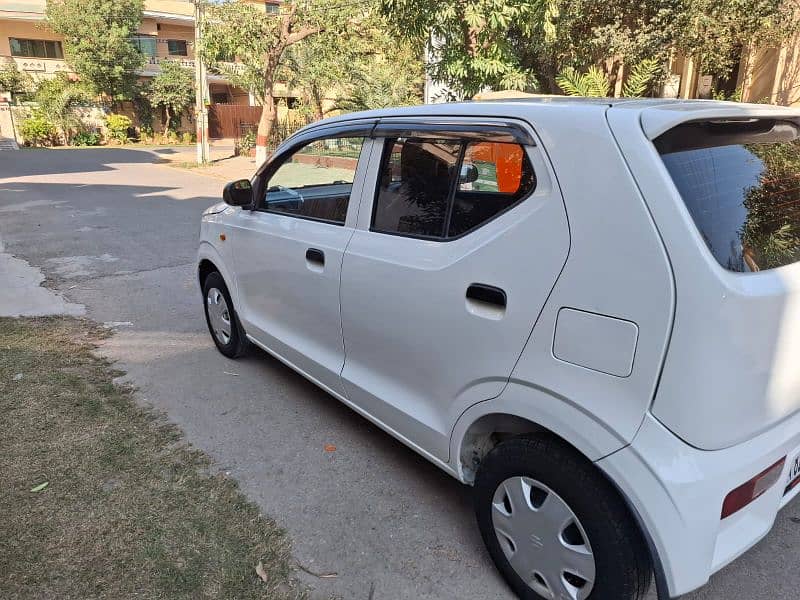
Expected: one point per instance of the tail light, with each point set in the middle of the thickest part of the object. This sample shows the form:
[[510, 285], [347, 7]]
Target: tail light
[[747, 492]]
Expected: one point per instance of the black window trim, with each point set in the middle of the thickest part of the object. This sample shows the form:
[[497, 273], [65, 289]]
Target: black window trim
[[180, 41], [488, 130], [56, 43], [454, 188], [294, 143]]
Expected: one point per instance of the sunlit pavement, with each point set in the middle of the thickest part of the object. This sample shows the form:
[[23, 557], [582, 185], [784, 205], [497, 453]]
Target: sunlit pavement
[[118, 234]]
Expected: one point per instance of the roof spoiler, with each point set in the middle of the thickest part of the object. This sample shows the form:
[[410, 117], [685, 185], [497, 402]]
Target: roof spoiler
[[660, 119]]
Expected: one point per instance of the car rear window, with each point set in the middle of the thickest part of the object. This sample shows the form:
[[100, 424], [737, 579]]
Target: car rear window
[[740, 181]]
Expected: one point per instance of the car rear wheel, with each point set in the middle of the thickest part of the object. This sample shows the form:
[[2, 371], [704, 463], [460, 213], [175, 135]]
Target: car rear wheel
[[555, 527], [223, 324]]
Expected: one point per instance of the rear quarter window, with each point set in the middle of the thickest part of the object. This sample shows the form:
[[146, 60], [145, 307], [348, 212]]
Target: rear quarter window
[[740, 182]]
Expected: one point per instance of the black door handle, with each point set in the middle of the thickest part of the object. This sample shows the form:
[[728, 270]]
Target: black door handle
[[315, 256], [487, 293]]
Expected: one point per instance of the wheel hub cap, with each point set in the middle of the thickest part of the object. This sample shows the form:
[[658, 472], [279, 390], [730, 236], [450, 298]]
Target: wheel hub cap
[[219, 316], [543, 540]]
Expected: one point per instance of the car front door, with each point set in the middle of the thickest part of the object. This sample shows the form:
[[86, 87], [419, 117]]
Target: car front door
[[288, 251], [446, 272]]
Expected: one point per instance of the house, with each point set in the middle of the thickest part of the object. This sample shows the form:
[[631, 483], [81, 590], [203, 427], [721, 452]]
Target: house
[[768, 74], [166, 33]]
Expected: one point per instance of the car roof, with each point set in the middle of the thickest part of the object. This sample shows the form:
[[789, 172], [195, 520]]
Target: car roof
[[657, 114]]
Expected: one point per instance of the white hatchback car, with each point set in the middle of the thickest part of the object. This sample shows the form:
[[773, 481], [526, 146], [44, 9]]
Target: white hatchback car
[[587, 310]]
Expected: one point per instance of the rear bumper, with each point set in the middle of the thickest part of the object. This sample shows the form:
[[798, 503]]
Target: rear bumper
[[678, 492]]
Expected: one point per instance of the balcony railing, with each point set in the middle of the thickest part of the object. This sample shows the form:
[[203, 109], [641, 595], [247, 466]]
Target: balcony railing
[[181, 60]]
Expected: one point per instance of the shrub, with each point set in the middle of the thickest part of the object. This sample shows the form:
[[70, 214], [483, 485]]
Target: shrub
[[38, 131], [188, 138], [117, 126], [86, 138], [246, 143], [58, 99]]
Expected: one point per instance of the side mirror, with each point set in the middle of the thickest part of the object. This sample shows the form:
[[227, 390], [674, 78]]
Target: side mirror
[[469, 173], [238, 193]]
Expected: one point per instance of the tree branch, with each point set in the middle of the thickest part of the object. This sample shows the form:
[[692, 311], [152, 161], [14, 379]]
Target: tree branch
[[302, 34]]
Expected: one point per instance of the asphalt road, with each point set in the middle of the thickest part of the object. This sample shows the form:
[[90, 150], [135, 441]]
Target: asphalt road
[[118, 234]]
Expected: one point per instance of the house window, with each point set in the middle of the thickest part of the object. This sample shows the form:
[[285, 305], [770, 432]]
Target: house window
[[36, 48], [272, 9], [177, 48], [146, 44]]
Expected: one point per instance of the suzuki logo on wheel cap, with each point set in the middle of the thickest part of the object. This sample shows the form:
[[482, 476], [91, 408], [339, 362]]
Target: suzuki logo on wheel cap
[[536, 541]]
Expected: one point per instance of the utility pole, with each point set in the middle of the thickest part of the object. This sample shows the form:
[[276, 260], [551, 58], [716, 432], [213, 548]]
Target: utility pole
[[200, 88]]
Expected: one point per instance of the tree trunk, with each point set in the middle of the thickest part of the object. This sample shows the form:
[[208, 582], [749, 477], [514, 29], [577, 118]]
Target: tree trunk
[[265, 123], [166, 120], [316, 99]]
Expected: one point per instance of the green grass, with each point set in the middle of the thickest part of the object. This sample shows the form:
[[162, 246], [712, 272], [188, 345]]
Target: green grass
[[129, 510]]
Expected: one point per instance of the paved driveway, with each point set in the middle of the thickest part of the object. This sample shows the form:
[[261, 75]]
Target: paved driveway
[[118, 234]]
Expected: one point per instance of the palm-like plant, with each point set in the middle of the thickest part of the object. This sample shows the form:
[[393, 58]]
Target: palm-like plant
[[595, 83], [641, 77]]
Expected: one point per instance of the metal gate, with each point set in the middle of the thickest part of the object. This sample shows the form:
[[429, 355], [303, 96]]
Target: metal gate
[[231, 120]]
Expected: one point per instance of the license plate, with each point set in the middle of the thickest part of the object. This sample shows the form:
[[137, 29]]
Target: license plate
[[793, 479]]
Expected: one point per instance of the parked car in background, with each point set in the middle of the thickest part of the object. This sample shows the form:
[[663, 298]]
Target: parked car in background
[[588, 310]]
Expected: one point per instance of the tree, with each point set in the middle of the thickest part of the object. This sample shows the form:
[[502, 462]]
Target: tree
[[15, 81], [771, 230], [526, 44], [173, 89], [97, 42], [717, 32], [337, 72], [258, 41], [58, 98], [379, 81], [467, 41]]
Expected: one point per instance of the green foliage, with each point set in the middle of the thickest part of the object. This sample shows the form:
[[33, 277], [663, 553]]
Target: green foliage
[[713, 32], [468, 41], [86, 138], [641, 78], [240, 30], [117, 126], [527, 44], [772, 230], [15, 81], [97, 42], [593, 83], [246, 143], [735, 96], [344, 72], [58, 99], [172, 89], [258, 42], [37, 130]]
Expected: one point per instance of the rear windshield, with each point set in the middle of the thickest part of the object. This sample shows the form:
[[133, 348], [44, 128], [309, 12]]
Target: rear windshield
[[740, 181]]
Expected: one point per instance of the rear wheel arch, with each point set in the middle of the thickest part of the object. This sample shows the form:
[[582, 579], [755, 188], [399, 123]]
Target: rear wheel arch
[[490, 430]]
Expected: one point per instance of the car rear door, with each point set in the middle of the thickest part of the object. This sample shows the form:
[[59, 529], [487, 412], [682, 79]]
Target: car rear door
[[288, 250], [449, 266]]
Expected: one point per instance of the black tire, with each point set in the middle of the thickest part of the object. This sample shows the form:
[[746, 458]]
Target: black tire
[[237, 345], [622, 563]]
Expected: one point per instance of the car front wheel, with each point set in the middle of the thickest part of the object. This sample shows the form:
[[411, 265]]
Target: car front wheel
[[223, 324], [555, 527]]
